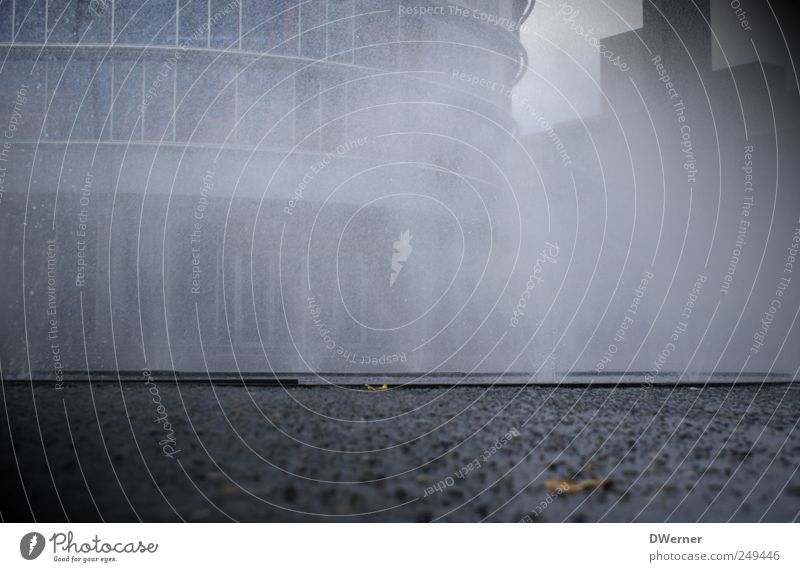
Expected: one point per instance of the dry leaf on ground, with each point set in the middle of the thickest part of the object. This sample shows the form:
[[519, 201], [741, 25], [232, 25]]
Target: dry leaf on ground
[[383, 387], [571, 486]]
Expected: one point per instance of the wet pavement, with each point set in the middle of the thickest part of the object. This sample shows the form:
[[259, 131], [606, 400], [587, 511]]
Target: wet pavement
[[198, 452]]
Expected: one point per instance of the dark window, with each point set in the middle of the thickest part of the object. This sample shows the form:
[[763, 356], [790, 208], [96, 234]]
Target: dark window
[[270, 25], [29, 20], [22, 73], [71, 21], [340, 30], [375, 32], [282, 29], [224, 20], [148, 22], [255, 14], [308, 109], [127, 99], [159, 93], [6, 10], [193, 23], [334, 107], [313, 21], [206, 102]]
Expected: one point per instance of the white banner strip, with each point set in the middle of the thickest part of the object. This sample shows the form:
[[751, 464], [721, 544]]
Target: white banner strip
[[390, 547]]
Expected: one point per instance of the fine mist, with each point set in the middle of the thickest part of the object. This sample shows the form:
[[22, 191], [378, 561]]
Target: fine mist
[[549, 192]]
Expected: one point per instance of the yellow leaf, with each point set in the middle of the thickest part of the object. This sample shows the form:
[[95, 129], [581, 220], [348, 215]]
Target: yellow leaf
[[570, 486]]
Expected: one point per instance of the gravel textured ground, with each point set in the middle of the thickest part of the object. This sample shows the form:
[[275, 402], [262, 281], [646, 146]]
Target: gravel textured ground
[[454, 454]]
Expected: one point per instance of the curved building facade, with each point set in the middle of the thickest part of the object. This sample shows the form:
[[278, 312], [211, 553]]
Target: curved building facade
[[221, 184]]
